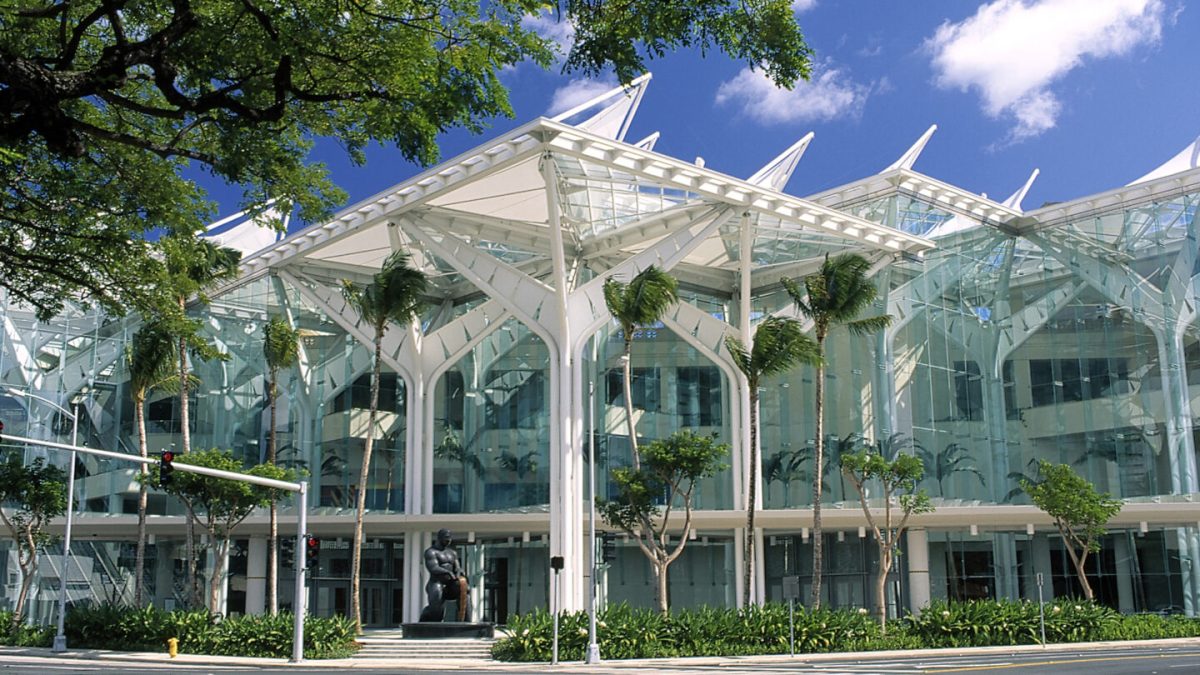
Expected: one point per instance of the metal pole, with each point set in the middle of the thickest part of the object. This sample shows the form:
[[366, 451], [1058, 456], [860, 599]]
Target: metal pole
[[593, 649], [1041, 609], [298, 609], [60, 638], [791, 627], [554, 606]]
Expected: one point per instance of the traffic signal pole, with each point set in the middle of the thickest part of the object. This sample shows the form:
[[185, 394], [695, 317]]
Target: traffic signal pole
[[301, 562], [301, 488]]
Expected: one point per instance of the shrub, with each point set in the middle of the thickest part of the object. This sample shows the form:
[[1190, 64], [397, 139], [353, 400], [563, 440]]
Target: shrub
[[625, 633], [23, 635], [109, 626]]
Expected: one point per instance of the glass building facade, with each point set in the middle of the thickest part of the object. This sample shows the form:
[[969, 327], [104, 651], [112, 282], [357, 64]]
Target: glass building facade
[[1067, 333]]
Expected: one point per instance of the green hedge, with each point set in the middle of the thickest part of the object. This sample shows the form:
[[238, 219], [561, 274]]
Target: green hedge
[[23, 635], [122, 628], [626, 633]]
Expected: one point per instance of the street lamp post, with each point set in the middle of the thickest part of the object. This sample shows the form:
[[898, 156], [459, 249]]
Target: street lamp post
[[60, 637]]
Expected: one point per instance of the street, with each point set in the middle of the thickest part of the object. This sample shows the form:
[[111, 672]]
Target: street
[[1133, 660]]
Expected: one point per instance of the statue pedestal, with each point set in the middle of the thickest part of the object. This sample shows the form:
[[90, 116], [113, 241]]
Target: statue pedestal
[[444, 630]]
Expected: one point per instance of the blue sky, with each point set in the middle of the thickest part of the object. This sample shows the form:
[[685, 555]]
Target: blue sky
[[1094, 93]]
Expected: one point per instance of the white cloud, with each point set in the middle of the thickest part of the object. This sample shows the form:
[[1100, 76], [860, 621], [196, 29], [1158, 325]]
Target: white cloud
[[799, 6], [828, 95], [575, 92], [1012, 51], [547, 25]]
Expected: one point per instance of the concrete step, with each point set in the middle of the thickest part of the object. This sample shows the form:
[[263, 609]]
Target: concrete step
[[380, 645]]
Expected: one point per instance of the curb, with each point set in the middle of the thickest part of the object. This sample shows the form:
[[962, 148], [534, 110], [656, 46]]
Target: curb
[[134, 658]]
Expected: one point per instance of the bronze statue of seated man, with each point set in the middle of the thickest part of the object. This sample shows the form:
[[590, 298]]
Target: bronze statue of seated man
[[447, 580]]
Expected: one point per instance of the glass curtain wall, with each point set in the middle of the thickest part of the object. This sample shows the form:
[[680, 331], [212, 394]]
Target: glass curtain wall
[[492, 426]]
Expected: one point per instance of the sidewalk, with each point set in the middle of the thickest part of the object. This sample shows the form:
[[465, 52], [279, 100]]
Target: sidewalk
[[132, 660]]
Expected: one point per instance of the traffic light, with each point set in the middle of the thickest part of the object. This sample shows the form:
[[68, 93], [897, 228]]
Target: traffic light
[[312, 551], [165, 467], [608, 547]]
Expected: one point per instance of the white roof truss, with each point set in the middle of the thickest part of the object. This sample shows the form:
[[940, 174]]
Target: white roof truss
[[725, 189], [1138, 194]]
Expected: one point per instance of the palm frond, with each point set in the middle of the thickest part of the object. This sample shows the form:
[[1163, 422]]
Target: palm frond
[[869, 325], [780, 345], [281, 343], [642, 301], [150, 357]]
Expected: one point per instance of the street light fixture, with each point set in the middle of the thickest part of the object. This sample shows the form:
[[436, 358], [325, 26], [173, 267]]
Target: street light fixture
[[60, 637]]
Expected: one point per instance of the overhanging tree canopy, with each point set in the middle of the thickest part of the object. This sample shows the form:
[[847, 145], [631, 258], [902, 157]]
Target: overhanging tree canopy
[[104, 103]]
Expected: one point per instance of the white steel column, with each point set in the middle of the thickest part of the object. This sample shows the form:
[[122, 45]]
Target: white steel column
[[745, 265], [256, 576], [565, 487], [918, 569]]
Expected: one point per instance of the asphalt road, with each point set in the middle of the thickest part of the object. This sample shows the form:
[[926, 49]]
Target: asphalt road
[[1126, 661]]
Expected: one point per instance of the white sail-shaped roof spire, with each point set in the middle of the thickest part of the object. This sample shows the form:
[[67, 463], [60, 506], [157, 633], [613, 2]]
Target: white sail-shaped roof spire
[[1188, 158], [615, 109], [776, 173], [253, 233], [1014, 202], [908, 158]]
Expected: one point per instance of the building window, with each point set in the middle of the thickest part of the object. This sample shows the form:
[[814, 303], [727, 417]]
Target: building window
[[1066, 380], [698, 396], [968, 391], [358, 395], [453, 399], [644, 385], [516, 399]]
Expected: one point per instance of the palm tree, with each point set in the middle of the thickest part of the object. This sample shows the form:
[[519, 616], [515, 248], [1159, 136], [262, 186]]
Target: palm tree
[[785, 467], [893, 446], [833, 296], [150, 357], [393, 295], [779, 345], [641, 302], [952, 459], [281, 348], [452, 449], [193, 265]]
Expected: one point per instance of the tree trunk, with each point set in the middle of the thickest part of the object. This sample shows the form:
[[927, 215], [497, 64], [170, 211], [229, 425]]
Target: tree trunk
[[627, 377], [220, 551], [364, 474], [273, 536], [185, 430], [139, 556], [885, 564], [28, 570], [660, 588], [751, 494], [1081, 572], [818, 474]]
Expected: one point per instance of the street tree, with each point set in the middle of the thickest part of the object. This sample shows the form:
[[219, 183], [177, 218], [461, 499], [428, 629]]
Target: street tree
[[1080, 513], [219, 505], [642, 508], [393, 296], [835, 295], [779, 345], [192, 267], [105, 105], [897, 479], [31, 495], [641, 302], [151, 362], [281, 348]]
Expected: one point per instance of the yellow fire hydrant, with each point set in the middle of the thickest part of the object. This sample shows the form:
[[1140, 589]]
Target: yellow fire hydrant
[[173, 647]]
